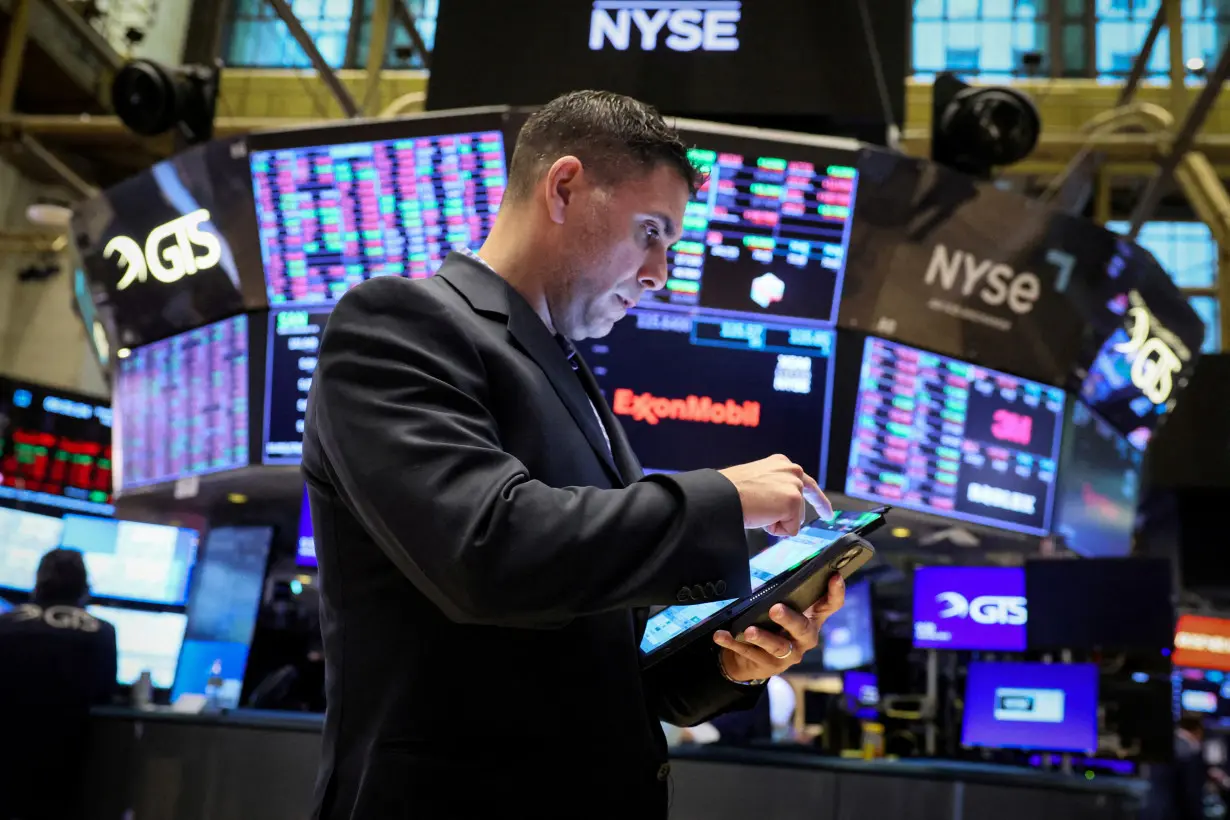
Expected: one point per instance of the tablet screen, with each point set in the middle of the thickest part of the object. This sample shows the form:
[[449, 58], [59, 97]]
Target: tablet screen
[[779, 559]]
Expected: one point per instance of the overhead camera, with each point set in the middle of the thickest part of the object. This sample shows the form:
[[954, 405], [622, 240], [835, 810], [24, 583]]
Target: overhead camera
[[151, 99], [974, 129]]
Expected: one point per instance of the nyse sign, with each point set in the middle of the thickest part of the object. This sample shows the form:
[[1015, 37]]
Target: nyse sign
[[172, 251], [1156, 354], [688, 25]]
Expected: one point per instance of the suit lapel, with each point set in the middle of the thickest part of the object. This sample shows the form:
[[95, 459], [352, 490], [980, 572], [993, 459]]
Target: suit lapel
[[489, 294], [625, 459]]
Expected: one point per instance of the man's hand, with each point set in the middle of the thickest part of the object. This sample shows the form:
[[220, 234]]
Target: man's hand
[[760, 653], [772, 491]]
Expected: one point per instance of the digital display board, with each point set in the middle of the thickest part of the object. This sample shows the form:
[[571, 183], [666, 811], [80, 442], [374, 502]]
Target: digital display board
[[849, 633], [305, 549], [1044, 706], [182, 405], [1098, 488], [132, 560], [1202, 692], [1202, 642], [979, 608], [332, 216], [25, 537], [145, 641], [766, 234], [55, 449], [694, 392], [954, 439], [294, 338]]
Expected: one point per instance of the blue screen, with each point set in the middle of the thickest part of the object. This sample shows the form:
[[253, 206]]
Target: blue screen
[[980, 608], [131, 560], [849, 633], [862, 691], [1048, 707], [305, 551], [146, 641]]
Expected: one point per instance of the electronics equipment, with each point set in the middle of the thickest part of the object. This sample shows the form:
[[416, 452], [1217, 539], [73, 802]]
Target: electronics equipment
[[1098, 486], [1113, 604], [226, 593], [130, 560], [294, 339], [1203, 692], [862, 691], [809, 553], [337, 206], [954, 439], [145, 640], [55, 449], [1034, 706], [1202, 642], [849, 633], [182, 405], [695, 392], [25, 537], [979, 608], [765, 236], [305, 550]]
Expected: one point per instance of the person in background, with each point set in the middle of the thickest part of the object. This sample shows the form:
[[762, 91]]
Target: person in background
[[1177, 789], [56, 661], [769, 719]]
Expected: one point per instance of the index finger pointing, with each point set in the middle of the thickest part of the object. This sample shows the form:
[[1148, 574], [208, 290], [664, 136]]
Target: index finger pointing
[[816, 497]]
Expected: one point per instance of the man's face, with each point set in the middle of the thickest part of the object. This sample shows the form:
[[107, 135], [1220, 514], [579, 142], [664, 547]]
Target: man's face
[[612, 243]]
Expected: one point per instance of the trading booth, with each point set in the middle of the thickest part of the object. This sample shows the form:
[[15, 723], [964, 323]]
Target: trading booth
[[983, 363]]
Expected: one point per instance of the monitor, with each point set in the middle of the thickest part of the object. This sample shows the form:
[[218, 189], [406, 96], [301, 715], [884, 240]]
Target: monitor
[[5, 606], [977, 608], [1202, 642], [146, 641], [1098, 486], [862, 691], [694, 392], [953, 439], [131, 560], [55, 449], [1204, 692], [849, 633], [25, 537], [1048, 707], [227, 589], [182, 405], [1113, 604], [305, 550], [294, 339], [335, 213], [765, 237]]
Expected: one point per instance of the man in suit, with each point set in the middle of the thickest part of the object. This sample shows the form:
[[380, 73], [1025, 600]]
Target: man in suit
[[488, 543]]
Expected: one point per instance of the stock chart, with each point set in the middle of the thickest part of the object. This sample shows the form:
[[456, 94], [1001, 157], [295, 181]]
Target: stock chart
[[333, 216], [183, 405], [764, 235], [943, 436], [294, 338]]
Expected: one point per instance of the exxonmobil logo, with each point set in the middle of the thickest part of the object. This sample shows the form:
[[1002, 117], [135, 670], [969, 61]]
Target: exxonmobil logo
[[651, 409], [1202, 642]]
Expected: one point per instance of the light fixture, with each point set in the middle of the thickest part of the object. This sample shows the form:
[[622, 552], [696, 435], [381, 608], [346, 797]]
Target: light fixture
[[123, 353], [901, 532], [237, 498]]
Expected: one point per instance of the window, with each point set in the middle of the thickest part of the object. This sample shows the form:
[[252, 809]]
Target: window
[[424, 11], [1123, 24], [986, 39]]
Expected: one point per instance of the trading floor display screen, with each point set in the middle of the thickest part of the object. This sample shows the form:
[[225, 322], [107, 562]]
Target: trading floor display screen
[[145, 641], [697, 392], [766, 234], [332, 216], [55, 449], [132, 560], [947, 437], [183, 405], [25, 537], [294, 339]]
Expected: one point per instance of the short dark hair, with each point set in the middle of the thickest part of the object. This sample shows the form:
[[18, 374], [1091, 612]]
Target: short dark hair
[[61, 578], [614, 137], [1191, 723]]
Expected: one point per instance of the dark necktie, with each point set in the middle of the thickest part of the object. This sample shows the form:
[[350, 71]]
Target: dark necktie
[[570, 351]]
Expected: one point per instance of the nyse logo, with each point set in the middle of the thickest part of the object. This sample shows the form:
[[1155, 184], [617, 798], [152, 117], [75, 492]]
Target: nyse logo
[[688, 25], [988, 610], [1000, 284], [1156, 355], [1014, 428], [167, 261]]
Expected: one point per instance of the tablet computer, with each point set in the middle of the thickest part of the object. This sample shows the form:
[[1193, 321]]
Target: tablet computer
[[792, 568]]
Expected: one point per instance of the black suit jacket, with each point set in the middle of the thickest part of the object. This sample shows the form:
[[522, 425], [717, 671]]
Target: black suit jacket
[[486, 563]]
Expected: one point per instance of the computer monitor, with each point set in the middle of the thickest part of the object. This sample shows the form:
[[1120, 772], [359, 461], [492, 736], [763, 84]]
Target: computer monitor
[[130, 560], [954, 439], [338, 206], [182, 405], [226, 594], [1113, 604], [55, 449], [849, 633], [1202, 642], [305, 550], [1049, 707], [5, 606], [694, 392], [25, 537], [1204, 692], [294, 339], [1098, 487], [146, 641], [862, 691], [977, 608]]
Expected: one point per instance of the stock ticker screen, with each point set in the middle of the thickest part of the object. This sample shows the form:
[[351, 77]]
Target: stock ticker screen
[[55, 449], [693, 392], [946, 437], [294, 339], [183, 405], [765, 236], [332, 216]]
